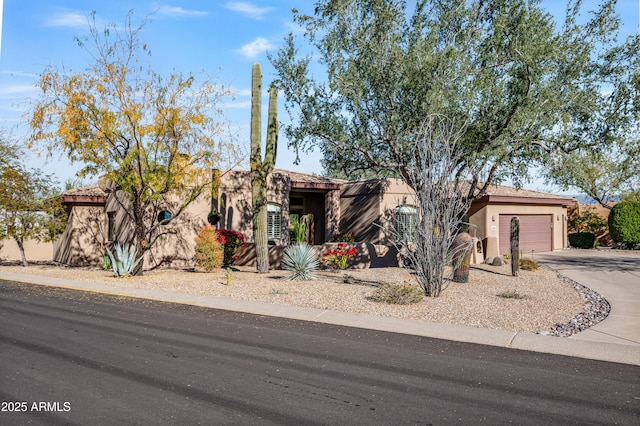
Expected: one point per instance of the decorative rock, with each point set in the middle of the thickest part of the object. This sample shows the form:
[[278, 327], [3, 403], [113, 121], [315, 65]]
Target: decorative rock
[[497, 261], [596, 309]]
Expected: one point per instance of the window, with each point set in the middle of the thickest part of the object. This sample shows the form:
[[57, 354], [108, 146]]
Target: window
[[274, 221], [164, 216], [406, 219], [111, 226]]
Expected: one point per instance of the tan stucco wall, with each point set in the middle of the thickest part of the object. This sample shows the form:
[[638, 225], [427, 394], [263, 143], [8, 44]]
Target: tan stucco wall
[[236, 207], [487, 219], [332, 214], [83, 241], [368, 208], [396, 193], [359, 209], [34, 250], [176, 247]]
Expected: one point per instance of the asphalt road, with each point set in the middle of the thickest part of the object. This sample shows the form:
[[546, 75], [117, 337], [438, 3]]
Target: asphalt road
[[70, 357]]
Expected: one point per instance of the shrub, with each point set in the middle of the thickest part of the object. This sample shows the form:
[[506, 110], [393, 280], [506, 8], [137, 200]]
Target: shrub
[[511, 294], [584, 240], [232, 241], [124, 260], [397, 294], [301, 260], [587, 221], [209, 249], [299, 228], [344, 237], [624, 222], [339, 258], [106, 262], [528, 264]]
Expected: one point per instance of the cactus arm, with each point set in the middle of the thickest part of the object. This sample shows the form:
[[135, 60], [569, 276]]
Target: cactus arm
[[255, 135], [272, 132]]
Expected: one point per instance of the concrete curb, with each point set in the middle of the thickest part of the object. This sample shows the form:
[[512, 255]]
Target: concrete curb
[[610, 352]]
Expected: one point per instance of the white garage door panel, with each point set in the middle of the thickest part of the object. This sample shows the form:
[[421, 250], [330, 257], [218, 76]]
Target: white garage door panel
[[535, 233]]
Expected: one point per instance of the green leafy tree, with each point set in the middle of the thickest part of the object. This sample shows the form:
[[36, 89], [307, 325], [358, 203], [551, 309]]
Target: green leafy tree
[[512, 87], [606, 175], [521, 87], [30, 206], [8, 152], [153, 137]]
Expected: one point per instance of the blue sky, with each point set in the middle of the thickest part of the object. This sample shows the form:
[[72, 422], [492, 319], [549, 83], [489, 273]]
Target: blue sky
[[217, 37]]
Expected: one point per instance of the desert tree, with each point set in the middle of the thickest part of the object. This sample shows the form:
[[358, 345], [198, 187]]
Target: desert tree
[[368, 72], [605, 175], [154, 138], [30, 206], [441, 201], [523, 86]]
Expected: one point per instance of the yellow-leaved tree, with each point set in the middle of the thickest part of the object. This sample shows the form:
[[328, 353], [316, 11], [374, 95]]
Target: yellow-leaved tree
[[154, 138]]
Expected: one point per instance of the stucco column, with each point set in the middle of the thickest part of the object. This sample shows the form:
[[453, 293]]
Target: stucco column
[[331, 214]]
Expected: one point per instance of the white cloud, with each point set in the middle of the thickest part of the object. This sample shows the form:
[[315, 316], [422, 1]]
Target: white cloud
[[173, 11], [241, 92], [293, 27], [71, 19], [239, 105], [256, 47], [18, 89], [17, 73], [251, 10]]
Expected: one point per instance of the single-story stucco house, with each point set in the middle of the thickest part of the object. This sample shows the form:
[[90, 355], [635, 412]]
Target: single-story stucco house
[[543, 216], [366, 208]]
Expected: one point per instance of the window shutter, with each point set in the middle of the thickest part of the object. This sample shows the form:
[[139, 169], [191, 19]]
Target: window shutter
[[274, 221], [406, 217]]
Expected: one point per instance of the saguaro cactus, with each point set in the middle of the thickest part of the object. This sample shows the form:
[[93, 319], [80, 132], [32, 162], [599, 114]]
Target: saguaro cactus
[[515, 245], [260, 168]]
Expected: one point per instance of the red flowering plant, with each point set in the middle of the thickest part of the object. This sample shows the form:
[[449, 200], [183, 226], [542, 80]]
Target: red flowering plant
[[232, 241], [339, 258]]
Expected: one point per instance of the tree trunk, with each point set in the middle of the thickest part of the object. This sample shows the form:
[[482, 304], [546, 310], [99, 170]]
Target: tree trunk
[[22, 253], [515, 246], [139, 240]]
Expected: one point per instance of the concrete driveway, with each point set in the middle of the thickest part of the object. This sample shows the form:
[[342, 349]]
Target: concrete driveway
[[615, 274]]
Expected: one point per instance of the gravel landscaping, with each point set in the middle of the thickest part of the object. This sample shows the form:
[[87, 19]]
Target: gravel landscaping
[[535, 301]]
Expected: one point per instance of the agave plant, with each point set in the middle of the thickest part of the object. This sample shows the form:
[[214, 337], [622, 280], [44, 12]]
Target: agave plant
[[301, 260], [124, 260]]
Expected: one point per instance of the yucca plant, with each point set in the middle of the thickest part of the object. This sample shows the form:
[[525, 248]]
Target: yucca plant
[[124, 260], [302, 260]]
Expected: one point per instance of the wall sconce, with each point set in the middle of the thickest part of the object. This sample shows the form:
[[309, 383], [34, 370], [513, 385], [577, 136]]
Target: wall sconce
[[558, 217], [493, 218]]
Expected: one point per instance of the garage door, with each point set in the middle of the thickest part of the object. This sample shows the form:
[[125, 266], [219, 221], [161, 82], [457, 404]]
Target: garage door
[[535, 232]]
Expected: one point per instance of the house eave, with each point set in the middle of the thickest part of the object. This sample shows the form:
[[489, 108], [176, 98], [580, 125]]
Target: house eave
[[85, 200], [500, 199], [315, 186]]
